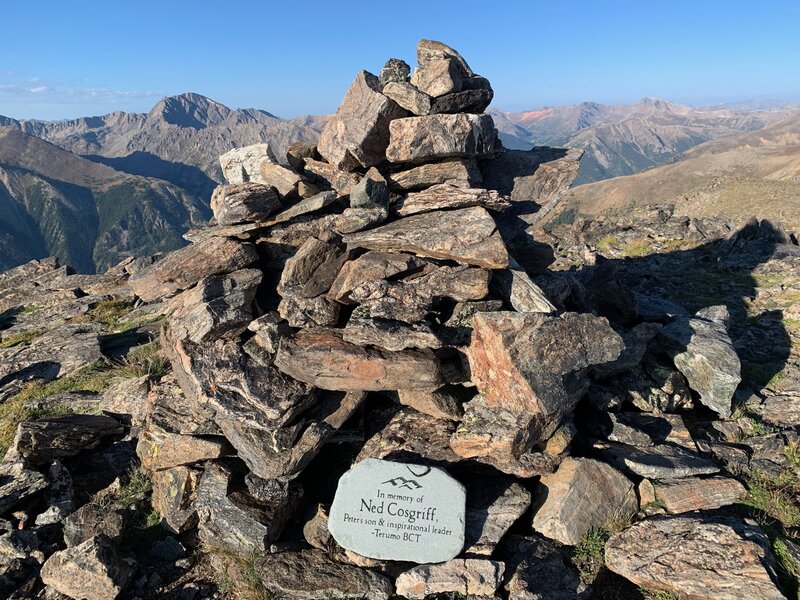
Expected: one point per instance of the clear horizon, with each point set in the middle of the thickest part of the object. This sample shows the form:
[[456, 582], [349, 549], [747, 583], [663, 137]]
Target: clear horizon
[[90, 59]]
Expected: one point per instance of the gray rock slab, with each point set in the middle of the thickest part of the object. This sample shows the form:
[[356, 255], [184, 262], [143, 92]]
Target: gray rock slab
[[399, 511]]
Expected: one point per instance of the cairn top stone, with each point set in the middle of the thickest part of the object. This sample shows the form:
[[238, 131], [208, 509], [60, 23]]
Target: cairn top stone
[[399, 511]]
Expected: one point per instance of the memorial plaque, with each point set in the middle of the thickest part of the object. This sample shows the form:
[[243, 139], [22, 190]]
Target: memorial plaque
[[399, 511]]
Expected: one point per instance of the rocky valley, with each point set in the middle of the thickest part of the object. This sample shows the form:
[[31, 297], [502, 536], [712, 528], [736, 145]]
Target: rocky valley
[[592, 407]]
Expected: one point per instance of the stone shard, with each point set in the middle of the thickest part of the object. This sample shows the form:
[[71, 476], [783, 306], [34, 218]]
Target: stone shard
[[704, 353], [331, 177], [371, 266], [431, 50], [446, 196], [396, 301], [280, 178], [423, 139], [304, 207], [183, 268], [441, 403], [43, 440], [218, 306], [663, 461], [438, 77], [231, 519], [685, 495], [493, 506], [465, 101], [535, 363], [322, 358], [242, 165], [460, 173], [468, 236], [583, 494], [174, 493], [704, 558], [538, 570], [408, 97], [389, 334], [313, 268], [394, 71], [243, 202], [314, 575], [470, 576], [91, 571], [357, 135], [516, 287]]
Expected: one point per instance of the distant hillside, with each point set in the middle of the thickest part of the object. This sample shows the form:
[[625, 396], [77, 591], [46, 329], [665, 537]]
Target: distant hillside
[[623, 139], [754, 173], [55, 203]]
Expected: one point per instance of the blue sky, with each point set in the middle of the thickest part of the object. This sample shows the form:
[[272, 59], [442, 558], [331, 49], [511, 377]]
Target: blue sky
[[66, 59]]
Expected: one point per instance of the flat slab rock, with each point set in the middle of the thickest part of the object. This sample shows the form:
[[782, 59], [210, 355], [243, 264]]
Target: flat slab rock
[[320, 357], [663, 461], [43, 440], [716, 558], [583, 494], [446, 196], [692, 493], [468, 236], [399, 511], [470, 576], [460, 173], [313, 575]]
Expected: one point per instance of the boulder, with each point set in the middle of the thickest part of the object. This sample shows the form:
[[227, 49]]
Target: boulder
[[537, 570], [370, 192], [183, 268], [423, 139], [431, 50], [90, 520], [330, 177], [43, 440], [280, 178], [243, 202], [89, 571], [242, 165], [465, 101], [582, 495], [447, 196], [314, 575], [493, 506], [174, 493], [357, 135], [126, 400], [685, 495], [359, 219], [371, 266], [516, 287], [438, 77], [441, 403], [158, 449], [468, 236], [313, 268], [460, 173], [396, 301], [704, 353], [704, 558], [476, 576], [408, 97], [322, 358], [536, 364], [17, 483], [462, 283], [389, 334], [298, 152], [393, 71], [309, 312], [304, 207], [663, 461]]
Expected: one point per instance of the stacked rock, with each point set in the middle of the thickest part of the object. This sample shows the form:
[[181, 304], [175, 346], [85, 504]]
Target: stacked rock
[[369, 282]]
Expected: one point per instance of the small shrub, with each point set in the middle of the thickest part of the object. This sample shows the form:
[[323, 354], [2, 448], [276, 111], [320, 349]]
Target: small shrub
[[589, 555], [774, 496], [566, 217], [146, 359], [110, 313]]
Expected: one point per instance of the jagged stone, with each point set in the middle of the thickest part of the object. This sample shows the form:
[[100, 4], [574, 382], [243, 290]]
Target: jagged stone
[[159, 449], [708, 558], [663, 461], [89, 571], [581, 495], [357, 135], [394, 70], [516, 287], [90, 520], [174, 493], [231, 519], [431, 50], [313, 268], [315, 529], [313, 575], [398, 301], [183, 268], [465, 101], [442, 403], [457, 330], [446, 196], [243, 202], [281, 178], [422, 139], [642, 429], [408, 97], [43, 440], [636, 343], [359, 219], [219, 305], [322, 358], [438, 77], [536, 363], [309, 312], [126, 400], [468, 236], [704, 353], [370, 192], [389, 334], [68, 402], [459, 173], [476, 576], [328, 175], [242, 165], [685, 495], [18, 483], [462, 283], [269, 329], [371, 266], [298, 152], [169, 409], [493, 506], [539, 571]]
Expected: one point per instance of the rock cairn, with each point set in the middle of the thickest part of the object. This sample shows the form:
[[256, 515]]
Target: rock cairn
[[381, 295]]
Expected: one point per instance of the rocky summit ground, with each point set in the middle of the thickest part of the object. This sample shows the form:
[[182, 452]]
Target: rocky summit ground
[[620, 397]]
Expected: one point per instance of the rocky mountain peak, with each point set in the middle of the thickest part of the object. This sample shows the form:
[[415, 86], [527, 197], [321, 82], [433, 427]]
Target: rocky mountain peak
[[190, 110]]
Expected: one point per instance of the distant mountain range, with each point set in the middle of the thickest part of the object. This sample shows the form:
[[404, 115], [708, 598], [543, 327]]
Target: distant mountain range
[[96, 189]]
